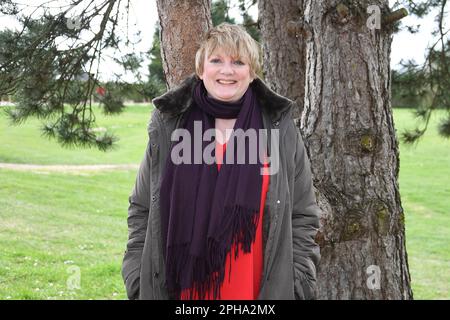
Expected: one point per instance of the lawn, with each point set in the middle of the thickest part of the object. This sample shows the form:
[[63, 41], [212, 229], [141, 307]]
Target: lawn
[[425, 193], [55, 226], [62, 235], [24, 144]]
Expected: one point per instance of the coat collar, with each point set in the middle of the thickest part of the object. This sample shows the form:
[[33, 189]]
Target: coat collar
[[177, 100]]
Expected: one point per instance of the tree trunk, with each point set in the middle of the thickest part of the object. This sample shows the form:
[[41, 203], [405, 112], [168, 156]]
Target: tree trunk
[[349, 131], [182, 23], [283, 40]]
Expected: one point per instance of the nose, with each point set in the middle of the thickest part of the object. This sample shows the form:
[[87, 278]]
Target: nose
[[227, 68]]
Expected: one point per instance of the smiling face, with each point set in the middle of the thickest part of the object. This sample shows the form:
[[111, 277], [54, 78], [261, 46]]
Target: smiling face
[[225, 78]]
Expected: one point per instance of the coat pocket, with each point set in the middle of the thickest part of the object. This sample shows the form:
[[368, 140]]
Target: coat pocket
[[132, 284], [131, 268], [304, 288]]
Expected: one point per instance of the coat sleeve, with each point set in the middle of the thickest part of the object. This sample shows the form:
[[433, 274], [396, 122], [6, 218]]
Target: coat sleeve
[[138, 212], [305, 224]]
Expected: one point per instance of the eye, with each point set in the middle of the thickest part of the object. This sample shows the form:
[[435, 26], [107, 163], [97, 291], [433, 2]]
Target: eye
[[239, 62], [214, 60]]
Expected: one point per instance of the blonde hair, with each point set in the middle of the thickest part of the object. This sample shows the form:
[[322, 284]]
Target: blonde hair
[[235, 41]]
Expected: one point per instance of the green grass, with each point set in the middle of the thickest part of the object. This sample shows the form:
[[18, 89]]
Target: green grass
[[425, 192], [55, 224], [25, 144]]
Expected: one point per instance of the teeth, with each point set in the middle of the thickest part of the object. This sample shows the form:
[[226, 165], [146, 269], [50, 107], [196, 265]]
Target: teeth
[[226, 81]]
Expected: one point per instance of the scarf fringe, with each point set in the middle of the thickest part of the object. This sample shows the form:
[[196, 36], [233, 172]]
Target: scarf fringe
[[238, 228]]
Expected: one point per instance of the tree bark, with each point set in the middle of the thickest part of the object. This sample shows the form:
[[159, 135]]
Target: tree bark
[[349, 131], [182, 25], [283, 40]]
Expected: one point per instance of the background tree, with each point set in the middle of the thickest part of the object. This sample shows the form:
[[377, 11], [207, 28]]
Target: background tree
[[220, 12], [156, 83], [426, 86], [248, 22], [51, 65], [156, 68]]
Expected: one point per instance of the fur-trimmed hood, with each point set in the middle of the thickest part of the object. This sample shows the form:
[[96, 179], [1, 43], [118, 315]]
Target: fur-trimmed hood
[[179, 99]]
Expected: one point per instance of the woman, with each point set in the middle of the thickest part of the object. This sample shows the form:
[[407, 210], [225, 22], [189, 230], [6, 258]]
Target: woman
[[228, 229]]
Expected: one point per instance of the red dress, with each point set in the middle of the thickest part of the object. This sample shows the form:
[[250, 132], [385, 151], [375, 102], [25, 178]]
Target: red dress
[[246, 270]]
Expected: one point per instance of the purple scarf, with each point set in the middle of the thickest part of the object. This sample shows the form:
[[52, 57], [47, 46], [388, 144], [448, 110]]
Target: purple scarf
[[204, 211]]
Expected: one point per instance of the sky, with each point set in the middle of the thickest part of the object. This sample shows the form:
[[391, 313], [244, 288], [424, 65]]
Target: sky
[[143, 16]]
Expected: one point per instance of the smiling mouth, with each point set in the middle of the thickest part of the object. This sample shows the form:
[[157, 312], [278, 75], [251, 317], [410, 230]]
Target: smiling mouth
[[226, 81]]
